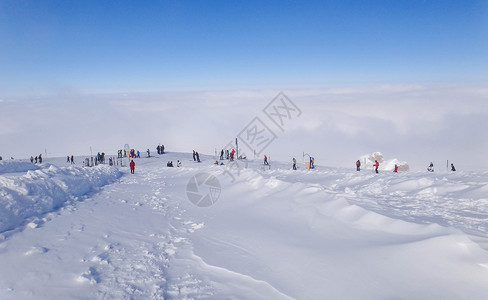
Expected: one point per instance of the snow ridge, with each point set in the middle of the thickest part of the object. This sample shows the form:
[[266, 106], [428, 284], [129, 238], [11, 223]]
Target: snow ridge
[[28, 190]]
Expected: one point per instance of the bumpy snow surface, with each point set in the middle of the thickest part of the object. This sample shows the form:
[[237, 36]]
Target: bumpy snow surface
[[69, 232]]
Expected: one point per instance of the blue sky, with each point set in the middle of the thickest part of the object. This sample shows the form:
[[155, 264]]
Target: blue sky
[[140, 46]]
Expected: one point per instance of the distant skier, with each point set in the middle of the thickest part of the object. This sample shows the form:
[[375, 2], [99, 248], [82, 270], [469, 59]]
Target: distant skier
[[72, 160], [40, 158], [194, 156], [358, 165], [198, 156], [36, 160], [430, 168], [266, 160], [453, 168], [178, 163], [67, 159], [31, 159], [222, 154], [162, 149], [132, 166], [396, 169], [148, 153], [294, 164], [232, 154], [138, 154], [376, 165]]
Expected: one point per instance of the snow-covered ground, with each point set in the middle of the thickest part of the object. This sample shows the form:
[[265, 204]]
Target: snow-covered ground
[[102, 233]]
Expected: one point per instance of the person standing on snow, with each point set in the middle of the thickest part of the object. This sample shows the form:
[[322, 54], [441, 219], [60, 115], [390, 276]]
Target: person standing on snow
[[72, 159], [198, 156], [358, 165], [222, 154], [266, 160], [376, 165], [453, 168], [194, 158], [294, 164], [132, 166], [396, 169]]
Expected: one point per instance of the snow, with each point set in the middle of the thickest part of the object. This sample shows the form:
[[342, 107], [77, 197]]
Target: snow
[[330, 233], [368, 162]]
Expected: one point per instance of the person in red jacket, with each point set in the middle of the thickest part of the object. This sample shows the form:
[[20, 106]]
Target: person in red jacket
[[132, 166], [376, 165], [396, 169]]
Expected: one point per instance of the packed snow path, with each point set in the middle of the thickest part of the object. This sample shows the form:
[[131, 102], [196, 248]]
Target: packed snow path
[[272, 234]]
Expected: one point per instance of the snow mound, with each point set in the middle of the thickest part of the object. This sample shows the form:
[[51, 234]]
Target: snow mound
[[13, 166], [368, 160], [29, 190]]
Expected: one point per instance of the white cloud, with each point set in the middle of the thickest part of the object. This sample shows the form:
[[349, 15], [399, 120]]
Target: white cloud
[[405, 121]]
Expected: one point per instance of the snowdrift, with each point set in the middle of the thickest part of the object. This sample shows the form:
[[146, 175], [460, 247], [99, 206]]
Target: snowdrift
[[368, 160], [29, 190], [15, 166]]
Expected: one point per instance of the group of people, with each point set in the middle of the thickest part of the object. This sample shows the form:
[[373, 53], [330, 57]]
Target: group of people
[[170, 164], [376, 165], [159, 148], [70, 159], [227, 154], [430, 168], [36, 159]]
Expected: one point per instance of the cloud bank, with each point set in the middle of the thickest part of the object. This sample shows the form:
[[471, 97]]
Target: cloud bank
[[414, 123]]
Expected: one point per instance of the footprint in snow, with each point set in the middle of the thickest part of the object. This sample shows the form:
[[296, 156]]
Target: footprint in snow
[[36, 250]]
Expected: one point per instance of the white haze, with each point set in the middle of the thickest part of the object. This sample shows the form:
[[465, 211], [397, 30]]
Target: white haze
[[413, 123]]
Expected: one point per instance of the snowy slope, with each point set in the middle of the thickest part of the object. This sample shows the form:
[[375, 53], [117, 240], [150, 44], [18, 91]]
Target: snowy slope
[[272, 234], [30, 190]]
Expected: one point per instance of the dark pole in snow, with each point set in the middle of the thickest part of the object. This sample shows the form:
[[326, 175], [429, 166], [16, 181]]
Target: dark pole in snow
[[237, 149]]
